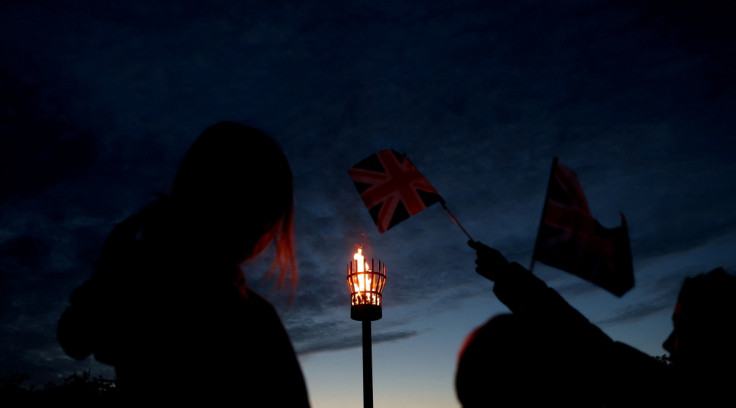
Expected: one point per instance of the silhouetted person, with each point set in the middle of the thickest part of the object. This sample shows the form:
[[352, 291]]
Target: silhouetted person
[[545, 353], [703, 340], [168, 305]]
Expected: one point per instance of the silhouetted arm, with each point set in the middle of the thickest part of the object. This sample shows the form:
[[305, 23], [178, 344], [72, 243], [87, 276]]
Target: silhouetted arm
[[624, 371], [529, 297], [84, 327], [74, 332]]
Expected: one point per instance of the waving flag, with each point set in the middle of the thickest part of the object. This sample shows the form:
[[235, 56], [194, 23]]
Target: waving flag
[[569, 238], [391, 188]]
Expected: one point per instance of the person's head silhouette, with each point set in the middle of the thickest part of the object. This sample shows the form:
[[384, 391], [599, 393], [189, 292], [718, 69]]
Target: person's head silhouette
[[509, 362], [703, 336], [233, 195]]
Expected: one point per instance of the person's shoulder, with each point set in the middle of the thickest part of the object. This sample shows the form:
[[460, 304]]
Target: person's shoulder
[[260, 314], [256, 302], [256, 298]]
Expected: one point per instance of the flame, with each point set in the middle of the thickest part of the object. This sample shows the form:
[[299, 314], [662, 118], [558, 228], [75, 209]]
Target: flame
[[365, 285], [363, 282], [362, 264]]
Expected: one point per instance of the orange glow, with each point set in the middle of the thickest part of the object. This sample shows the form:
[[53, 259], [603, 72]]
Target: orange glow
[[365, 284]]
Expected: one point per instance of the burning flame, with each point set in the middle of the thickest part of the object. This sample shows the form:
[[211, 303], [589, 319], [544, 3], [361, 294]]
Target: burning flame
[[365, 284], [362, 264], [364, 280]]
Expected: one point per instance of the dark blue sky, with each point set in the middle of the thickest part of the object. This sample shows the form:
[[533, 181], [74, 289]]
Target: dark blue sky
[[101, 101]]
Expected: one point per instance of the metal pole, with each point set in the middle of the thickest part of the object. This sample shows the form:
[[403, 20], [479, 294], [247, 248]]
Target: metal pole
[[367, 366]]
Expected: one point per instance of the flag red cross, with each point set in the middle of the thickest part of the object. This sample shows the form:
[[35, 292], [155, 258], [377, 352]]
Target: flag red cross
[[398, 184]]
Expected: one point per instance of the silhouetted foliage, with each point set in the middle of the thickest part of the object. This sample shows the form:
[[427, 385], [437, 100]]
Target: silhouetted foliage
[[14, 383], [663, 359], [77, 384]]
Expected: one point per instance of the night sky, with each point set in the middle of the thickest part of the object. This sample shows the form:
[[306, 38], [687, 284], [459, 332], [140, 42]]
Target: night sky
[[100, 102]]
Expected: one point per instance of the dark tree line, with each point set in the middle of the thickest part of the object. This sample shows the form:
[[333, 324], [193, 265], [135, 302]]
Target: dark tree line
[[77, 383]]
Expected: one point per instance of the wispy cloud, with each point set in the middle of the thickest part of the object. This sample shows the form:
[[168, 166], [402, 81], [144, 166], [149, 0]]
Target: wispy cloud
[[330, 342]]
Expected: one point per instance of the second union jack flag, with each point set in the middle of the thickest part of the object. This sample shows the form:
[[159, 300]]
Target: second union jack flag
[[569, 238], [391, 188]]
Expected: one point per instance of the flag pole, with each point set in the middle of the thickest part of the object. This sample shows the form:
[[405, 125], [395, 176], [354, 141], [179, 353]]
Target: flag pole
[[442, 202], [544, 210]]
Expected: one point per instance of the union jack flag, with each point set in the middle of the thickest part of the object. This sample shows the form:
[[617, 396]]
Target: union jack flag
[[391, 188], [569, 238]]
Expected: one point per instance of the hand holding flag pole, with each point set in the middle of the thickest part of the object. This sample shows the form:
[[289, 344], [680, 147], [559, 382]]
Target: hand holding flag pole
[[393, 189]]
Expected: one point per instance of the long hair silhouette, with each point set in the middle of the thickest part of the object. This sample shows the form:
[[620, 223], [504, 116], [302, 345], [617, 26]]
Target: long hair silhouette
[[168, 305]]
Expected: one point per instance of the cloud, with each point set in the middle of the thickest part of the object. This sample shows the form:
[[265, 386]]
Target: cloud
[[639, 311], [339, 336], [39, 145]]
